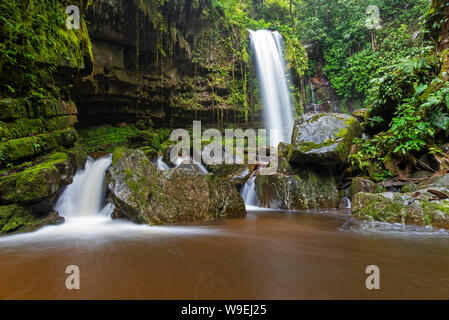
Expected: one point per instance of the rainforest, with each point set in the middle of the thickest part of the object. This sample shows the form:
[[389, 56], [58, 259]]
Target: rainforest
[[224, 149]]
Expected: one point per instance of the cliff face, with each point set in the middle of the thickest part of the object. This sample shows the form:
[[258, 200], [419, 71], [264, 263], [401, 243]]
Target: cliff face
[[171, 63]]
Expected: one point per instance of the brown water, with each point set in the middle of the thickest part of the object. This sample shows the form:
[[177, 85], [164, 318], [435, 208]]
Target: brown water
[[267, 255]]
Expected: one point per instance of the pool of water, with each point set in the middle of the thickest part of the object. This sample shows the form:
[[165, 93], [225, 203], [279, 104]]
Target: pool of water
[[266, 255]]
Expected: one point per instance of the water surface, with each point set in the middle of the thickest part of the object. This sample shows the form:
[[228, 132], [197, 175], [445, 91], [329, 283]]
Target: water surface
[[267, 255]]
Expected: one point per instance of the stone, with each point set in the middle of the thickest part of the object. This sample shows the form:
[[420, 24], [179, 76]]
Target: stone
[[145, 195], [237, 174], [363, 185], [309, 189], [37, 182], [402, 208], [323, 139], [361, 114], [435, 181], [15, 218]]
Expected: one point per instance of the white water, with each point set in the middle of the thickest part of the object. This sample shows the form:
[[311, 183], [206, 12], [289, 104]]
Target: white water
[[160, 164], [84, 197], [248, 192], [270, 69]]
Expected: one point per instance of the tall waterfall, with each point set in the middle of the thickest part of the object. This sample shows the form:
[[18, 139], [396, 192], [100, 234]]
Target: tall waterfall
[[85, 196], [270, 69]]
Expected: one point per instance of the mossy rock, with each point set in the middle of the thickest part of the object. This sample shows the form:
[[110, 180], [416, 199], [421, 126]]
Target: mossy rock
[[145, 195], [402, 208], [11, 109], [16, 150], [237, 174], [15, 218], [359, 184], [37, 182], [310, 189], [324, 138]]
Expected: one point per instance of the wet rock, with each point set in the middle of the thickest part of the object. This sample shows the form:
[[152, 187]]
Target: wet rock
[[146, 195], [309, 189], [364, 185], [407, 208], [323, 138]]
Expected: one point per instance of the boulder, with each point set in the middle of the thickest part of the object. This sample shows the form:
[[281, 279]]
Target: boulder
[[363, 185], [237, 174], [361, 114], [402, 208], [324, 138], [309, 189], [16, 218], [145, 195], [37, 182], [435, 181]]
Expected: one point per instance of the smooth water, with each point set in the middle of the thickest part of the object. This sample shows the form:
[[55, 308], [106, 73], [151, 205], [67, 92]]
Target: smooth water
[[271, 74], [266, 255]]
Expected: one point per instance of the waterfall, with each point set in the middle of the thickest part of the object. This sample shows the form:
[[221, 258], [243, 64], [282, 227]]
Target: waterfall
[[312, 92], [248, 192], [270, 70], [84, 197], [160, 164]]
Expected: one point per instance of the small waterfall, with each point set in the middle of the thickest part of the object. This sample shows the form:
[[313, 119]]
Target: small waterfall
[[270, 69], [248, 192], [160, 164], [312, 92], [85, 196]]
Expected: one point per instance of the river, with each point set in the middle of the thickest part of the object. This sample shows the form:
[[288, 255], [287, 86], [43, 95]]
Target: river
[[266, 255]]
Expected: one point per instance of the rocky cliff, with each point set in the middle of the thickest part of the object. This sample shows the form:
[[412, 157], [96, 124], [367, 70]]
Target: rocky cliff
[[170, 62]]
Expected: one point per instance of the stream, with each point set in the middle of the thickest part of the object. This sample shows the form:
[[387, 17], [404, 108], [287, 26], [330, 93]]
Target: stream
[[266, 255]]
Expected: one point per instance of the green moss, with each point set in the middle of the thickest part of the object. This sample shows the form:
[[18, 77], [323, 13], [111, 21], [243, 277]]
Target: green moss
[[33, 183], [118, 154], [16, 150]]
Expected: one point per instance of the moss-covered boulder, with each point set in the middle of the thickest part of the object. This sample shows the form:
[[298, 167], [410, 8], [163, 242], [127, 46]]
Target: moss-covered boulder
[[364, 185], [145, 195], [37, 182], [324, 138], [309, 189], [16, 218], [237, 174], [402, 208]]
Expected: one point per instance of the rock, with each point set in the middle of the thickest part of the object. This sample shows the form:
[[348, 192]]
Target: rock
[[401, 166], [402, 208], [37, 182], [237, 174], [309, 189], [16, 218], [421, 175], [408, 188], [78, 157], [146, 195], [323, 138], [361, 114], [435, 181], [364, 185]]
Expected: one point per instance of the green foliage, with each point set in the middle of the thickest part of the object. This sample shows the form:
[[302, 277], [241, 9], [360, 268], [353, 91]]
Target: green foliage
[[34, 41]]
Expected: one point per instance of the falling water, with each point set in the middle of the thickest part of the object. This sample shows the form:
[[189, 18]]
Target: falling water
[[248, 192], [270, 69], [160, 164], [85, 196]]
